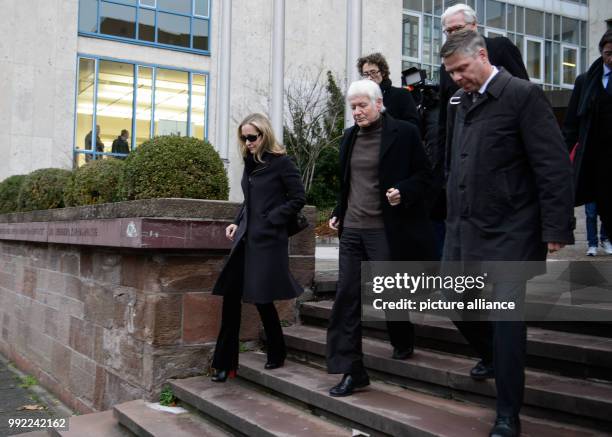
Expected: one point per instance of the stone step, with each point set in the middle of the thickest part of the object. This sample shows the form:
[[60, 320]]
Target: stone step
[[389, 409], [101, 424], [152, 420], [250, 411], [572, 396], [34, 434], [573, 354]]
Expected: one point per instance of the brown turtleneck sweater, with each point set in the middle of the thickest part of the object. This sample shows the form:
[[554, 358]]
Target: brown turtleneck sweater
[[364, 210]]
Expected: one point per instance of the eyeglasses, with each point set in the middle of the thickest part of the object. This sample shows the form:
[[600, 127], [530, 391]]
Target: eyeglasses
[[249, 138], [370, 74], [450, 30]]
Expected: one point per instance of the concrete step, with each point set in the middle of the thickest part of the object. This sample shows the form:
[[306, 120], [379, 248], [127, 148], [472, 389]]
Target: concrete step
[[250, 411], [34, 434], [388, 409], [152, 420], [101, 424], [572, 396], [568, 353]]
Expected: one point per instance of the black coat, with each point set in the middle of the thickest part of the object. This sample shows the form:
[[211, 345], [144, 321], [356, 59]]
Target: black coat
[[399, 103], [578, 127], [273, 193], [403, 165], [509, 188], [120, 146], [502, 53]]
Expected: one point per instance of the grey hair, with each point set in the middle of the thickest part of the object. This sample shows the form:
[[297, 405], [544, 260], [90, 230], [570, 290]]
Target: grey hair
[[467, 42], [469, 14], [365, 87]]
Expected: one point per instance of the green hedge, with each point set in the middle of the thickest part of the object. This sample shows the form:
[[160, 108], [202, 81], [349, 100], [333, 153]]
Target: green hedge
[[95, 182], [9, 192], [171, 166], [43, 189]]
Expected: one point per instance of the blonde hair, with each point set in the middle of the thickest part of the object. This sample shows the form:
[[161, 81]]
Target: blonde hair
[[269, 144]]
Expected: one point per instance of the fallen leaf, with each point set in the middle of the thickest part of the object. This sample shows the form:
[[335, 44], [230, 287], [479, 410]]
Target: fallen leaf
[[31, 407]]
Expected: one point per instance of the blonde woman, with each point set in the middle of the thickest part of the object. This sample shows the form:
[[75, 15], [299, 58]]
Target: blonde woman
[[257, 270]]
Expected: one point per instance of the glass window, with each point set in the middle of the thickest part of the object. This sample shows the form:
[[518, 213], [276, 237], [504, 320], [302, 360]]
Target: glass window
[[548, 62], [427, 52], [146, 25], [437, 40], [85, 103], [198, 104], [511, 36], [415, 5], [144, 104], [548, 30], [520, 23], [570, 65], [200, 7], [115, 100], [148, 3], [583, 33], [511, 17], [438, 7], [534, 22], [557, 28], [428, 6], [570, 30], [410, 42], [583, 60], [127, 2], [533, 54], [117, 20], [88, 16], [173, 29], [496, 14], [493, 34], [519, 42], [480, 8], [182, 6], [556, 63], [171, 102], [200, 34]]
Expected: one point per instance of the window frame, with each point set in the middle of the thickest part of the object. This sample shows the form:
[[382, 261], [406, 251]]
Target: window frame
[[526, 39], [576, 48], [419, 17], [138, 6], [136, 67]]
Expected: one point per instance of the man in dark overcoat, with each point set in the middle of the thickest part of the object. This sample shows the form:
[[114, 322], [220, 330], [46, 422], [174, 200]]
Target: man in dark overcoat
[[588, 125], [509, 198], [380, 216]]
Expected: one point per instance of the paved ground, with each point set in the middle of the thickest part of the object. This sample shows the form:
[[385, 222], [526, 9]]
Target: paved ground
[[15, 395]]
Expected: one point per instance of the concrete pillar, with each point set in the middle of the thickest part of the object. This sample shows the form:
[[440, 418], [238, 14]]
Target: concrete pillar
[[278, 69], [224, 79], [354, 12]]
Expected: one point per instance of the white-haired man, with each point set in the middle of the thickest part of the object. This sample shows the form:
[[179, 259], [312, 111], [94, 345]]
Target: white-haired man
[[380, 216]]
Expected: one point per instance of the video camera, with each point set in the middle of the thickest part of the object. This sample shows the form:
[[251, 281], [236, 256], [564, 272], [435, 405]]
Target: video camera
[[424, 91]]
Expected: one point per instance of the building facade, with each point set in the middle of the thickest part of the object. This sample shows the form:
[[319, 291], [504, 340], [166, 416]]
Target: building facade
[[75, 73]]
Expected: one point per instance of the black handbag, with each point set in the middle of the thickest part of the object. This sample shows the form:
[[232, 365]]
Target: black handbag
[[297, 223]]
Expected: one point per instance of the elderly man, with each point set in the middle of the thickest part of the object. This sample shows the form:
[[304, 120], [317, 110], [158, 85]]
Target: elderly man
[[380, 216], [509, 197]]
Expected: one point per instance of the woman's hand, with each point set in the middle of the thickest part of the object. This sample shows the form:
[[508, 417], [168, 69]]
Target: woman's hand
[[230, 231], [333, 223]]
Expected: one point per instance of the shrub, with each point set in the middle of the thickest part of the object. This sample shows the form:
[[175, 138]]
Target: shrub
[[172, 166], [9, 191], [43, 189], [95, 182]]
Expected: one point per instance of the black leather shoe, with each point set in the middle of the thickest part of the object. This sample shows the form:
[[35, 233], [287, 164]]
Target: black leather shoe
[[506, 426], [482, 371], [348, 385], [402, 354], [222, 375], [274, 365]]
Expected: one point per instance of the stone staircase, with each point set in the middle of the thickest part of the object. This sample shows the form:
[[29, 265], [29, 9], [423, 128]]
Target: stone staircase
[[568, 389]]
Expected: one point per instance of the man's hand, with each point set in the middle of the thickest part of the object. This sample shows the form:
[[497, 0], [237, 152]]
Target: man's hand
[[230, 231], [393, 196], [333, 223], [554, 247]]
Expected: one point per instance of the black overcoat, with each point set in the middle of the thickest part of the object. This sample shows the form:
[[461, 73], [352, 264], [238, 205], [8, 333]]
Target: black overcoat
[[273, 193], [402, 165], [509, 189], [578, 127]]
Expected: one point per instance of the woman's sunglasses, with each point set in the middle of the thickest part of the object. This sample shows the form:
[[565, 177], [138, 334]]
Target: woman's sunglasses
[[249, 138]]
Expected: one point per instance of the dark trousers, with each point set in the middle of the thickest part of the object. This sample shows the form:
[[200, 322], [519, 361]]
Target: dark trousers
[[503, 344], [228, 341], [344, 351]]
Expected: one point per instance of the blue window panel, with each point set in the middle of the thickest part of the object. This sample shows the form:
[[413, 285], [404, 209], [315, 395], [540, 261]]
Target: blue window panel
[[126, 2], [88, 15], [173, 29], [181, 6], [200, 8], [200, 34], [117, 20], [146, 25], [148, 3]]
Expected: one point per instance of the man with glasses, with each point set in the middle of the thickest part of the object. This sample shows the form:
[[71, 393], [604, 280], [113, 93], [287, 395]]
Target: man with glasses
[[398, 102], [502, 53]]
